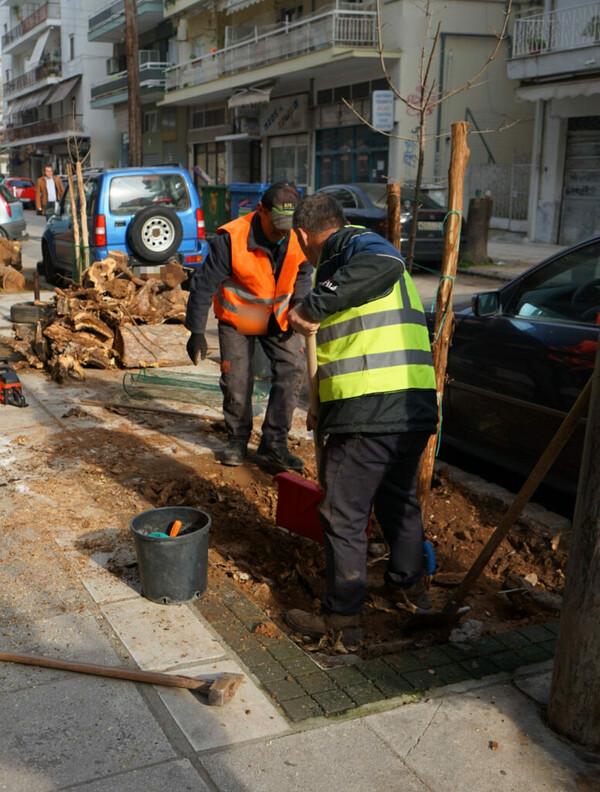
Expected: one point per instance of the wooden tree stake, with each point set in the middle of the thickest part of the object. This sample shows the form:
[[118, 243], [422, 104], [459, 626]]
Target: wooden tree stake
[[393, 209], [85, 237], [443, 317], [76, 239]]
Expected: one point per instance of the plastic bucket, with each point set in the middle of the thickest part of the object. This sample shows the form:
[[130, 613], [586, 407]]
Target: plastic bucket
[[172, 569]]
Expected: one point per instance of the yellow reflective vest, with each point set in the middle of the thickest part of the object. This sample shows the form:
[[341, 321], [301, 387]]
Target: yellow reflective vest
[[379, 347]]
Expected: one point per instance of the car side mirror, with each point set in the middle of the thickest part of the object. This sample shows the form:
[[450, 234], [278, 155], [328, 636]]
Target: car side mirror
[[51, 208], [486, 303]]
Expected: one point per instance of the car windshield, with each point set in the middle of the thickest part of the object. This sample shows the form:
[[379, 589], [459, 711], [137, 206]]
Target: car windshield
[[377, 194], [128, 194], [7, 195], [21, 183]]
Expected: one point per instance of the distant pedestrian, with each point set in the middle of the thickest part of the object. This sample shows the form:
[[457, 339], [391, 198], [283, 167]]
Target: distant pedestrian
[[256, 270], [377, 409], [49, 188]]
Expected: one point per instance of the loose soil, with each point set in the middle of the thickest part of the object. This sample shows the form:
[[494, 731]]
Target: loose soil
[[124, 472]]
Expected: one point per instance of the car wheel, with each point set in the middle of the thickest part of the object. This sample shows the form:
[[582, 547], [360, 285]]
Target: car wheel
[[155, 233], [3, 233], [26, 312], [48, 268]]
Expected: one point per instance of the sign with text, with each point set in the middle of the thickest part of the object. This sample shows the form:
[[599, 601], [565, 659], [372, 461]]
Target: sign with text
[[288, 114], [382, 114]]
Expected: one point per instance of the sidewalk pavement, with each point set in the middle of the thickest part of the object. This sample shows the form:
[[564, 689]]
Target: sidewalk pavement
[[512, 255], [61, 597]]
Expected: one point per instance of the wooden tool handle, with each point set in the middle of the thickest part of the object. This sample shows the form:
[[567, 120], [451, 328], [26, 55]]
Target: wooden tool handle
[[152, 677], [313, 387]]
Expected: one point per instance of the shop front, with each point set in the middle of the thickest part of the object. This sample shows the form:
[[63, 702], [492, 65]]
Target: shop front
[[284, 128]]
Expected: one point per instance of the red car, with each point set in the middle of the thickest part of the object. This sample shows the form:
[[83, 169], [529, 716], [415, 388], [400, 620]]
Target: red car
[[22, 188]]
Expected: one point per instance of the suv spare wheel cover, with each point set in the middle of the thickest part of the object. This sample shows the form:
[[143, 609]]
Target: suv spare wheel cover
[[155, 233]]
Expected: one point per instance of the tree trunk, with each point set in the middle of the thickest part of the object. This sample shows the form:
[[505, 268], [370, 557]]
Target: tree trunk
[[443, 316], [393, 209], [574, 707], [478, 226], [164, 345]]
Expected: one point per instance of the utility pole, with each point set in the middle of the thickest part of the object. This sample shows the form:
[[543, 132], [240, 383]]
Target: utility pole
[[574, 706], [133, 83]]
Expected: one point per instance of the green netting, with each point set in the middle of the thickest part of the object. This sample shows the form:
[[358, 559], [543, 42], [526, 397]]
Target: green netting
[[185, 387]]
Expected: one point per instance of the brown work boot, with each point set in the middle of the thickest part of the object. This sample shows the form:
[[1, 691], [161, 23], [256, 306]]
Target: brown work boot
[[315, 625], [414, 598]]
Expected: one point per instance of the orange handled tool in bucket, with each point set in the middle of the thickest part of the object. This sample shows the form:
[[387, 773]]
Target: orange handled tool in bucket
[[175, 528]]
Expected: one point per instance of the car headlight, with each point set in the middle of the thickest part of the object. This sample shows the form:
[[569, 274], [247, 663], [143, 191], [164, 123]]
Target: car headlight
[[404, 218]]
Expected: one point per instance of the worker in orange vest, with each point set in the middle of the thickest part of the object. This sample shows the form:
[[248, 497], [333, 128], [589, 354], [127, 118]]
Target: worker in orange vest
[[254, 273]]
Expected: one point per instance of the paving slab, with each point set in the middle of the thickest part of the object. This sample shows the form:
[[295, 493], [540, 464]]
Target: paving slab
[[249, 716], [450, 746], [343, 756], [536, 686], [162, 636], [176, 776], [73, 731], [70, 636], [102, 584]]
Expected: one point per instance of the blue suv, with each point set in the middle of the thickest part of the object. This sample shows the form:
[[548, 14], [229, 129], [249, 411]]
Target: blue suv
[[152, 214]]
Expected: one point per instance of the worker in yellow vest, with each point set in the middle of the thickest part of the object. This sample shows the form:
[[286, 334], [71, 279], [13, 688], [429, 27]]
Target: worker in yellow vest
[[255, 271], [377, 409]]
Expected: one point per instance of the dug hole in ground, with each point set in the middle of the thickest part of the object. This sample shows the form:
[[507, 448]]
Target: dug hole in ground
[[105, 465]]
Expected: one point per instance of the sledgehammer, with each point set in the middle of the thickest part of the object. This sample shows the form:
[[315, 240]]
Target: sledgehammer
[[218, 691]]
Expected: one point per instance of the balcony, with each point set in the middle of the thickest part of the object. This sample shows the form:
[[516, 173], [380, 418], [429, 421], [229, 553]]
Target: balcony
[[108, 24], [556, 43], [42, 17], [55, 128], [113, 89], [177, 7], [332, 28], [45, 74]]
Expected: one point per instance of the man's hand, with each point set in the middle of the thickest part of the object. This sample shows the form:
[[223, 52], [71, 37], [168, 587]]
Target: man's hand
[[301, 322], [195, 346]]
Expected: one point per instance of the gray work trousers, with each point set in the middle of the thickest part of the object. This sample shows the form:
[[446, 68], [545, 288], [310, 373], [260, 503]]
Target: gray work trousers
[[358, 473], [287, 371]]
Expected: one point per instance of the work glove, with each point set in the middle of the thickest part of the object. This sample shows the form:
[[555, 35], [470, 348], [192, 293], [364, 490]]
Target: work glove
[[195, 346]]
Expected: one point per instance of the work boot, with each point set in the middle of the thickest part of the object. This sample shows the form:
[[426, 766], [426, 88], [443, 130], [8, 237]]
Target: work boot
[[279, 456], [414, 598], [234, 453], [316, 625]]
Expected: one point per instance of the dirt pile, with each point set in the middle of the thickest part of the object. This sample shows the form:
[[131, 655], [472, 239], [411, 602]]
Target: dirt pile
[[98, 324]]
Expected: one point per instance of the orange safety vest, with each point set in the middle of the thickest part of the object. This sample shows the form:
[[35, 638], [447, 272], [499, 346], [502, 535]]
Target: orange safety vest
[[251, 295]]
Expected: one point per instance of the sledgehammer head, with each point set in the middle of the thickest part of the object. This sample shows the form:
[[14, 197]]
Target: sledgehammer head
[[222, 689]]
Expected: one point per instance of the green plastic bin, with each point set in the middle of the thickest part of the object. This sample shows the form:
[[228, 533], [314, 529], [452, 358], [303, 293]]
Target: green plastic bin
[[216, 206]]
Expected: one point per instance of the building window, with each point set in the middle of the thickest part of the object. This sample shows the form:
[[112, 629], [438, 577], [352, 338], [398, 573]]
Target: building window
[[150, 121], [289, 161], [209, 161], [208, 118], [350, 154], [169, 119], [291, 13], [71, 47]]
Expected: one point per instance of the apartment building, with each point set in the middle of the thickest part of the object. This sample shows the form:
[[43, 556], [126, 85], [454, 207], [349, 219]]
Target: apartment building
[[47, 67], [555, 61], [266, 80], [157, 50]]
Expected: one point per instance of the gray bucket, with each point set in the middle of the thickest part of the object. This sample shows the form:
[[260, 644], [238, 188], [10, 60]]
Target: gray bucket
[[172, 569]]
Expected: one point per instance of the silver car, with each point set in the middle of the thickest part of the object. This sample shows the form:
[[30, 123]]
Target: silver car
[[12, 222]]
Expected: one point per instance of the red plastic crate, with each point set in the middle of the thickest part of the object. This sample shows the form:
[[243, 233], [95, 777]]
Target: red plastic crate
[[298, 502]]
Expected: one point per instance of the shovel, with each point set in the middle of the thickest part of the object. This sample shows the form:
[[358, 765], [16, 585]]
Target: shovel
[[298, 499]]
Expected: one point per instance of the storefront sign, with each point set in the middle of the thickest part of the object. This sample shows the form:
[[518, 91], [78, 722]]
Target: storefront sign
[[382, 115], [288, 114]]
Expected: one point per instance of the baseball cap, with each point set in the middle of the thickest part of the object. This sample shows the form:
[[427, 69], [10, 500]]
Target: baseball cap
[[281, 199]]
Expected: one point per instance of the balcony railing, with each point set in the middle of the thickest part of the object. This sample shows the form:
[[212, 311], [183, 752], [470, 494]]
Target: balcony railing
[[152, 75], [41, 128], [557, 31], [30, 78], [326, 29], [111, 12], [40, 15]]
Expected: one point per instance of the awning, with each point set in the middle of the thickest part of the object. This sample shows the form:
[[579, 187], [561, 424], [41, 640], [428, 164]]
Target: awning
[[564, 90], [30, 100], [231, 6], [37, 51], [250, 96], [62, 90], [237, 136]]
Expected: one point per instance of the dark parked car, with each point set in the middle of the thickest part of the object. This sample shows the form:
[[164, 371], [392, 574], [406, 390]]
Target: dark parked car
[[519, 358], [366, 204]]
